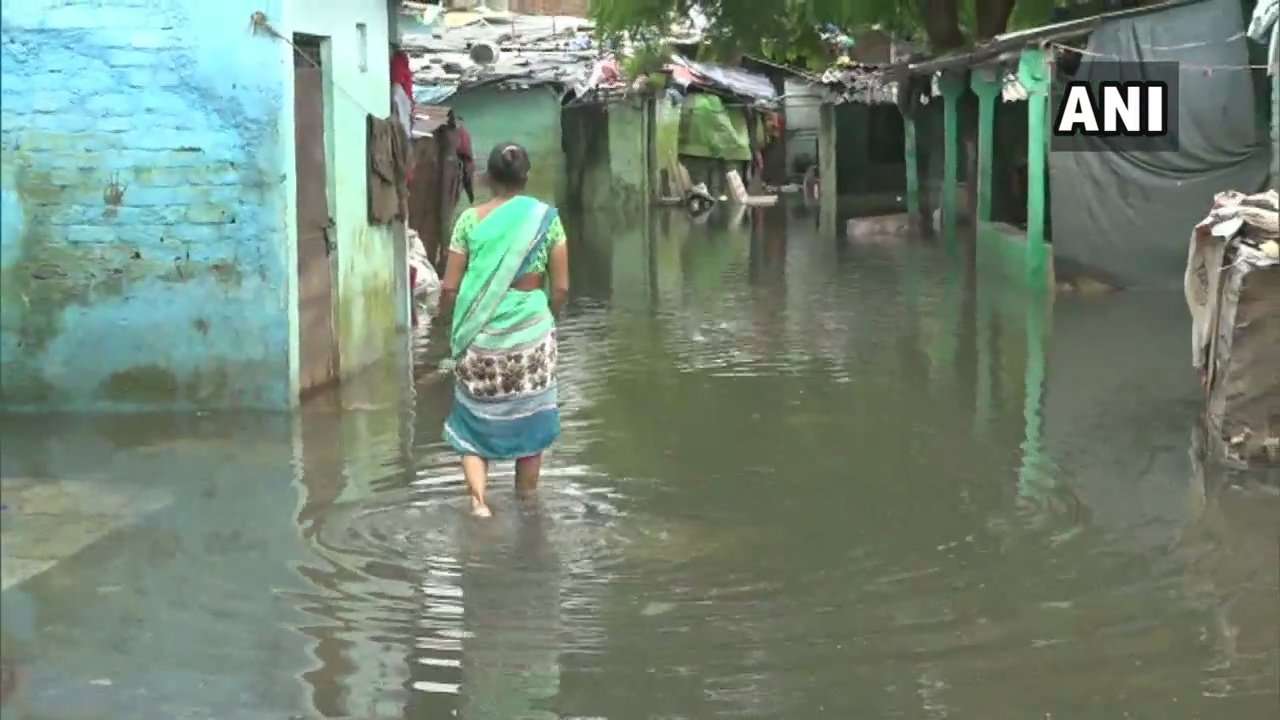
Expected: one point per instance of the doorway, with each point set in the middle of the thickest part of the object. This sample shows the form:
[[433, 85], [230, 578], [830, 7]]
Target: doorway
[[317, 345]]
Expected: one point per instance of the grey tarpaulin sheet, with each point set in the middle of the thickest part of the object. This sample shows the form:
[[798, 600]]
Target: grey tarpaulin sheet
[[1127, 213]]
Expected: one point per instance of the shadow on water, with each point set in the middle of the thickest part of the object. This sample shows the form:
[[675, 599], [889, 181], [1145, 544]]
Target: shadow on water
[[799, 477]]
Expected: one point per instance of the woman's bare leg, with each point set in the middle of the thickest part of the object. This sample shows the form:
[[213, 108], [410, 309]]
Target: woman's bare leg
[[528, 470], [476, 470]]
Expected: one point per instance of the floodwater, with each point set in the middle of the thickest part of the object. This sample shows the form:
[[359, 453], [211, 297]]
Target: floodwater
[[799, 478]]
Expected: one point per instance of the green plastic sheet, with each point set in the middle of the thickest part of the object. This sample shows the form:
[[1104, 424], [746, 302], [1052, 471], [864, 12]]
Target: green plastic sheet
[[708, 129]]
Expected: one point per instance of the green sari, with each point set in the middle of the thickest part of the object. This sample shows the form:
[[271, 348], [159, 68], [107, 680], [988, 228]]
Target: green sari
[[503, 340]]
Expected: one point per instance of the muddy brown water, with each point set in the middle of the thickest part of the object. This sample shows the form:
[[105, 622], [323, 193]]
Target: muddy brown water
[[799, 478]]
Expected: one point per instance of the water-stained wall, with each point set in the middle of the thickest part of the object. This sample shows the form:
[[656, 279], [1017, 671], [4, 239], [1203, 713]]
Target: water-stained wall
[[606, 151], [146, 185], [367, 267]]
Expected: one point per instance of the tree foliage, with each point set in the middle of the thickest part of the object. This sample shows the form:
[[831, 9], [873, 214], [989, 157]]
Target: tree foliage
[[788, 29]]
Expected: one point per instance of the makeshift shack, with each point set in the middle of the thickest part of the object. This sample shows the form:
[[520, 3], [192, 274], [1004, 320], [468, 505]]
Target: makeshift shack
[[607, 136], [721, 127], [507, 77], [1232, 285], [792, 147]]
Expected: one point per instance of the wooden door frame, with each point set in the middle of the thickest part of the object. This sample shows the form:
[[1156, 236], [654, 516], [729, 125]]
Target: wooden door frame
[[323, 46]]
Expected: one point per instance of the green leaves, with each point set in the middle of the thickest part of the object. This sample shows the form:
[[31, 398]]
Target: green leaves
[[786, 30]]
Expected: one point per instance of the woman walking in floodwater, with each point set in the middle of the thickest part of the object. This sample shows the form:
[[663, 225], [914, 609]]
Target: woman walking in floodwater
[[503, 339]]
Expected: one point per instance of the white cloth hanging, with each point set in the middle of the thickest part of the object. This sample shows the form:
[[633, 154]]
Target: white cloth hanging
[[1266, 18]]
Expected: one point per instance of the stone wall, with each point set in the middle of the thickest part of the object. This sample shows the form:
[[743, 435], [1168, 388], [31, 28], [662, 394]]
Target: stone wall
[[147, 190], [141, 260]]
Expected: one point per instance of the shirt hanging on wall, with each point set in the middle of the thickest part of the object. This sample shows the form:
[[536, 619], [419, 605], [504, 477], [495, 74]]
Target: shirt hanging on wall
[[388, 189]]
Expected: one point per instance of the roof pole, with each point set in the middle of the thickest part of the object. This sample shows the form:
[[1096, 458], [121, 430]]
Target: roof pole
[[911, 156], [827, 168], [1033, 73], [985, 82], [952, 85]]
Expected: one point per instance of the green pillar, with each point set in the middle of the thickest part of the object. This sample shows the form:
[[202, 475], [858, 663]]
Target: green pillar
[[952, 85], [986, 85], [913, 164], [827, 212], [1033, 73]]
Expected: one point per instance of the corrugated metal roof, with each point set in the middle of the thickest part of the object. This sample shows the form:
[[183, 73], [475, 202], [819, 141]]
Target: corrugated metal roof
[[532, 50], [735, 81], [862, 84]]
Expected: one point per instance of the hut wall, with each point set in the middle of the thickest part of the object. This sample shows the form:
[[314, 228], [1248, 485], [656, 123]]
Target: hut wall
[[530, 117]]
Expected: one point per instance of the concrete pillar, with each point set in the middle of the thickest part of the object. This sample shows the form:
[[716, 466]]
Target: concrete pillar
[[952, 86], [1033, 73], [986, 85], [912, 158], [830, 196]]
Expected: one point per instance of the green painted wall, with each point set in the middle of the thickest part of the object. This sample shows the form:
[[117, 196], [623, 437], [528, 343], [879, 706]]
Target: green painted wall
[[629, 151], [828, 149], [606, 153], [666, 140], [586, 154], [529, 117], [365, 268], [864, 133]]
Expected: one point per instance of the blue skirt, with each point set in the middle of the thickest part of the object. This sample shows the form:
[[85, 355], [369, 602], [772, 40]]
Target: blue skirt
[[505, 403]]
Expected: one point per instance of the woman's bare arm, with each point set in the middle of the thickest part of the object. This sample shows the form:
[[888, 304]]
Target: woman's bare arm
[[453, 270], [558, 263]]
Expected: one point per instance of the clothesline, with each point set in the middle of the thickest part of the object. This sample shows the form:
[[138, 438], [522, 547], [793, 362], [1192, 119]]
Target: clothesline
[[259, 22], [1181, 65], [1187, 46]]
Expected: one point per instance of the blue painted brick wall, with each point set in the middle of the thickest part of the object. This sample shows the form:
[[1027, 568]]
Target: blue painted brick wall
[[142, 252]]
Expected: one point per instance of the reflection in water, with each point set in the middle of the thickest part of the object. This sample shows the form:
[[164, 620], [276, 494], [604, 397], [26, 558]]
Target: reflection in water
[[511, 663], [799, 477], [1233, 568]]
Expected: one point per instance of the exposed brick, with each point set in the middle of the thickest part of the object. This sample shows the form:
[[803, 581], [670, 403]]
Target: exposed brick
[[73, 215], [51, 101], [162, 139], [115, 124], [59, 122], [130, 58], [162, 215], [91, 234], [112, 105], [149, 78], [164, 102], [152, 196], [208, 213], [223, 173], [152, 39]]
